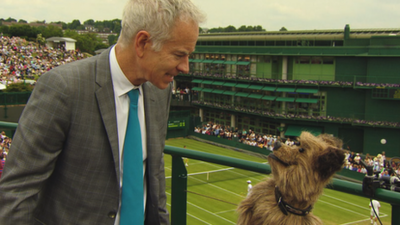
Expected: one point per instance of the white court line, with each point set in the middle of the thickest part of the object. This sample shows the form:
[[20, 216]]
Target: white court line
[[361, 220], [341, 207], [232, 210], [215, 186], [194, 217], [350, 203], [209, 212]]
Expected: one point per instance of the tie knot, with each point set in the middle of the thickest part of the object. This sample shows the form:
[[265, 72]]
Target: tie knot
[[133, 96]]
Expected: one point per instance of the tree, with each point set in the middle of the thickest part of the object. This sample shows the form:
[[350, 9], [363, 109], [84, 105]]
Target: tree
[[74, 24], [230, 28], [50, 31], [283, 29], [40, 40], [112, 39], [10, 20], [89, 22], [22, 21]]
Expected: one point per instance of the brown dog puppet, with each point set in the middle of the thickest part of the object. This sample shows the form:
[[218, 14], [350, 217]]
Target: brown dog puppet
[[299, 175]]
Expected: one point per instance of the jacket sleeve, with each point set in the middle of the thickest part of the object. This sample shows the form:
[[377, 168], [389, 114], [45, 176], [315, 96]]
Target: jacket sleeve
[[36, 144]]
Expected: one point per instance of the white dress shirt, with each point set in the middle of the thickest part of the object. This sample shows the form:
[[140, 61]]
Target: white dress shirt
[[121, 87]]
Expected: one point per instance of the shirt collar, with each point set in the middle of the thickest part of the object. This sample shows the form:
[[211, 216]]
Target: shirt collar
[[121, 84]]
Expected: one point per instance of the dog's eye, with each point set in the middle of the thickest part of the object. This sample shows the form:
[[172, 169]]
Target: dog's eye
[[297, 143], [301, 150]]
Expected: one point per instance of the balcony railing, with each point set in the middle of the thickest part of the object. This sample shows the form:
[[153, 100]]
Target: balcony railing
[[179, 182]]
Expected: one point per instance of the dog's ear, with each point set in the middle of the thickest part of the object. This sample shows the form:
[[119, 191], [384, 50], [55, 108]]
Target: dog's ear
[[328, 162]]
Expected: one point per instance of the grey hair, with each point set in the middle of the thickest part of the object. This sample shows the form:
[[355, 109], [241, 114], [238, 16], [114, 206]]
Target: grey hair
[[157, 17]]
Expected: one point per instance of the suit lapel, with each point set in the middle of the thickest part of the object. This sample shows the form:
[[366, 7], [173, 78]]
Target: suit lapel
[[106, 103]]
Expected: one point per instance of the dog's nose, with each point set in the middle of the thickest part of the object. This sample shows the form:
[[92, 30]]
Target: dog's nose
[[277, 145]]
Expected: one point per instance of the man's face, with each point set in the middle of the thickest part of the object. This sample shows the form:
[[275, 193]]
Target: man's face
[[161, 67]]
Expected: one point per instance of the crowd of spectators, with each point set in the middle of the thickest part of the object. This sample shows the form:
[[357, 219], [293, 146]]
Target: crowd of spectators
[[248, 137], [5, 144], [21, 59]]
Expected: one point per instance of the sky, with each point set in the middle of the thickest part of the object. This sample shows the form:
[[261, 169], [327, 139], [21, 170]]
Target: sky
[[272, 15]]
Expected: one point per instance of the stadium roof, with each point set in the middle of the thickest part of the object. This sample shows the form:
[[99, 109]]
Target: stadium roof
[[60, 39]]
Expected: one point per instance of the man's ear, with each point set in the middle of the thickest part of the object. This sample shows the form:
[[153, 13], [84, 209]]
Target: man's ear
[[142, 42], [328, 162]]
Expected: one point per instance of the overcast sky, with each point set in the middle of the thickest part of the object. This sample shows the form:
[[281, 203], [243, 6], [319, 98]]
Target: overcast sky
[[270, 14]]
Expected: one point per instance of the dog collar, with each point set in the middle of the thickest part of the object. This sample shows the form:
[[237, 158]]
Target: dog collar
[[285, 207]]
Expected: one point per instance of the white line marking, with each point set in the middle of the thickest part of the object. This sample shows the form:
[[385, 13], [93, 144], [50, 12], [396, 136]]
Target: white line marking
[[197, 218], [232, 210]]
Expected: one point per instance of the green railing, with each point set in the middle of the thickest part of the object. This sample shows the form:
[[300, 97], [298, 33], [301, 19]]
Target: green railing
[[179, 182], [179, 179]]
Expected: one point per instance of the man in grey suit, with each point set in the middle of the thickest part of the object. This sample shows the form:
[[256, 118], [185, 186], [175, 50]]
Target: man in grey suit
[[65, 164]]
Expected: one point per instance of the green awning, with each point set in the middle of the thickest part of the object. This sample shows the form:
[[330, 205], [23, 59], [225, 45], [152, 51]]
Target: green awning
[[295, 130], [218, 83], [197, 88], [307, 90], [284, 99], [197, 81], [242, 94], [217, 91], [229, 93], [207, 90], [196, 60], [207, 82], [228, 84], [285, 89], [218, 61], [256, 96], [230, 62], [242, 85], [307, 100], [242, 63], [256, 87], [269, 98], [268, 88], [207, 61]]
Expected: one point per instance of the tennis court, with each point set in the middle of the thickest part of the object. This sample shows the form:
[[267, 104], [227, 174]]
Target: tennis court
[[214, 191]]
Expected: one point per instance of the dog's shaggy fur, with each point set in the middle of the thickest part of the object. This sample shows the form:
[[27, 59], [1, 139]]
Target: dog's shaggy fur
[[310, 167]]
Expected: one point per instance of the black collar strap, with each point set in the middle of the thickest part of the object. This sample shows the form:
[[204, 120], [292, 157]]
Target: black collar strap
[[285, 208]]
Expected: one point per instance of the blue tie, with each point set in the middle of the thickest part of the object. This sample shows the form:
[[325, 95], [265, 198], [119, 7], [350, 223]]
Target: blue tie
[[132, 184]]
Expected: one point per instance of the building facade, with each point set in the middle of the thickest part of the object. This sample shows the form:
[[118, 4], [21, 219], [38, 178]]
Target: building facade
[[341, 82]]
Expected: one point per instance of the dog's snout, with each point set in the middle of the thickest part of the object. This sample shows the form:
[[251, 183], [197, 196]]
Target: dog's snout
[[277, 145]]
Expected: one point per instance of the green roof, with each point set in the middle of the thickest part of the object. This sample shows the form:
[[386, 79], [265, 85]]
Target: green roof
[[218, 61], [196, 60], [307, 100], [229, 93], [268, 88], [267, 97], [207, 90], [242, 94], [207, 61], [243, 63], [284, 99], [307, 90], [217, 91], [256, 87], [242, 85], [197, 88], [230, 62], [256, 96], [207, 82], [197, 81], [228, 84], [218, 83], [285, 89]]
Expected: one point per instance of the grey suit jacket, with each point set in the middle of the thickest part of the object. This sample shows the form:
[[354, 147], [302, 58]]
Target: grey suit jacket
[[63, 166]]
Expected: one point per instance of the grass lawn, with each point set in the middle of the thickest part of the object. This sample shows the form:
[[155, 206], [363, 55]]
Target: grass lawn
[[214, 191]]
